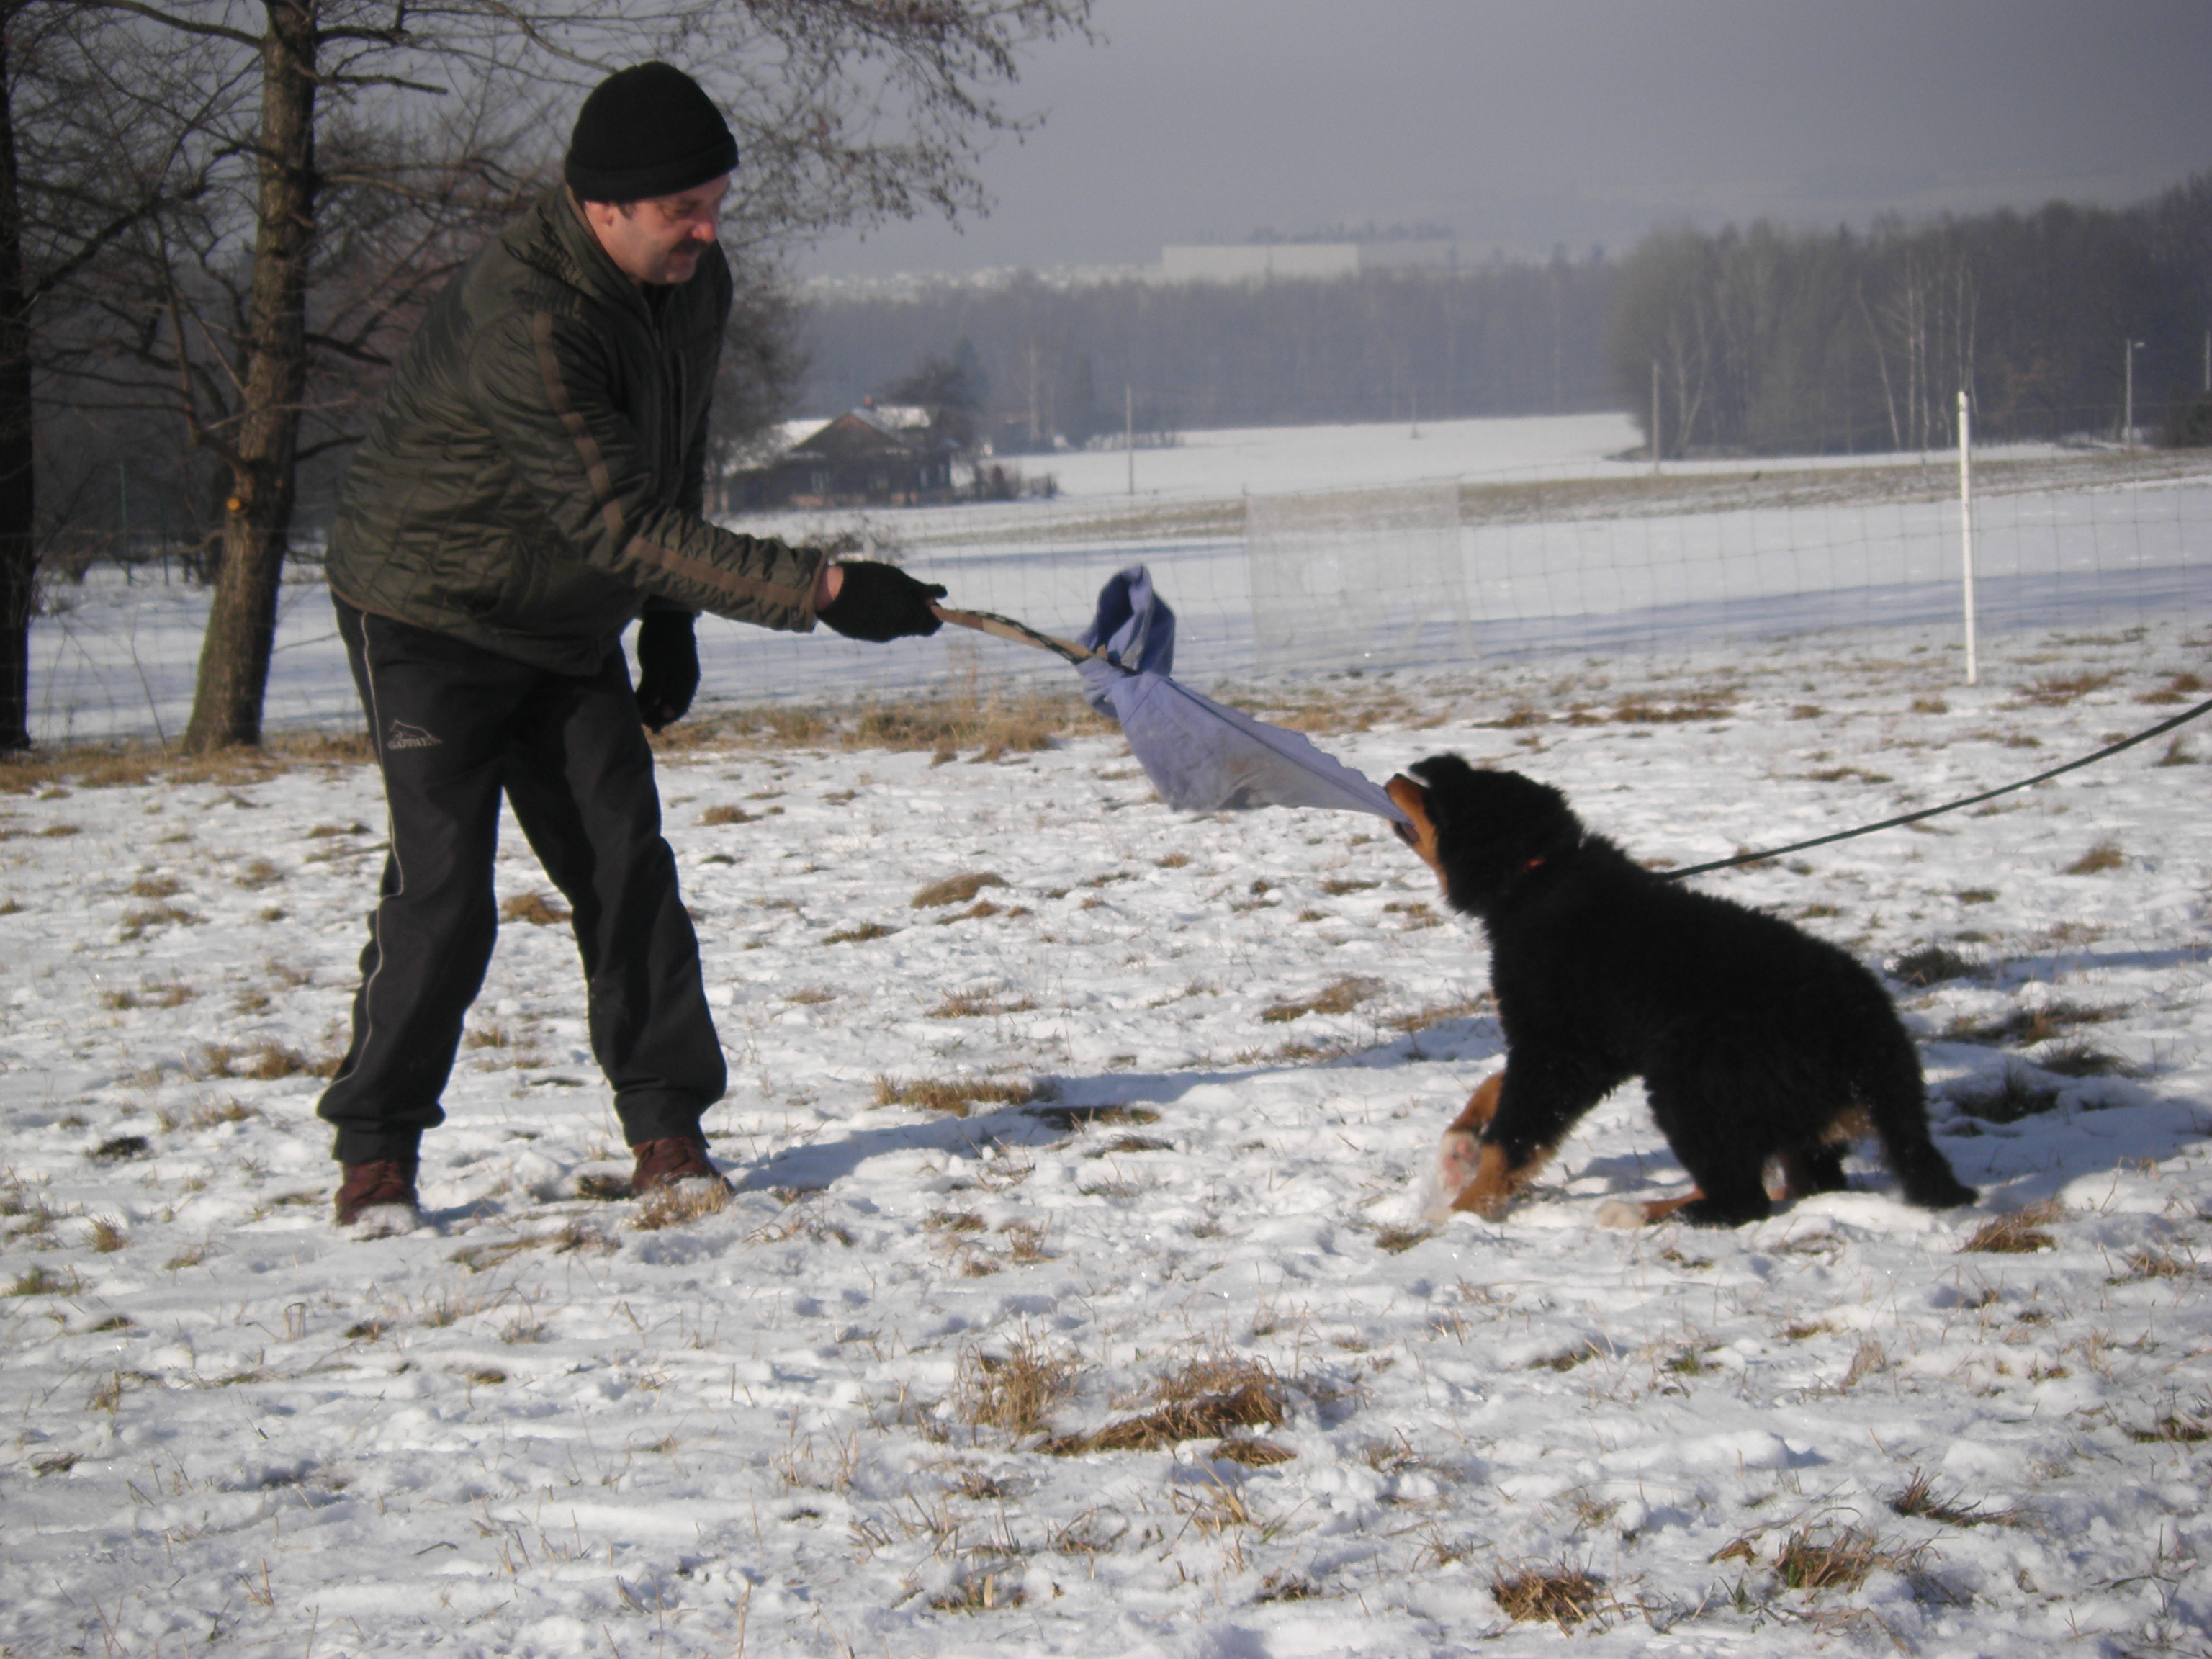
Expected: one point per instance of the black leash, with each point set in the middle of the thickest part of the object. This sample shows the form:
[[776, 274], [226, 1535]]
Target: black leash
[[2162, 727]]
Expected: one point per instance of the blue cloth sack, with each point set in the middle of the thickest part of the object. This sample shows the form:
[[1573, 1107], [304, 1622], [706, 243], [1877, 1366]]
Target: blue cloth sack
[[1201, 755]]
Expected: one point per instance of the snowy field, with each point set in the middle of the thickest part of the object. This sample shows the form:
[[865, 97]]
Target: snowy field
[[1080, 1295], [1594, 556]]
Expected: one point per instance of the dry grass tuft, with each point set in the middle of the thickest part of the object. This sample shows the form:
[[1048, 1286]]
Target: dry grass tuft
[[718, 815], [2029, 1025], [539, 909], [107, 1235], [1919, 1498], [1422, 1019], [1207, 1399], [1067, 1118], [120, 1150], [954, 1098], [680, 1204], [860, 935], [974, 1005], [979, 1592], [2056, 693], [955, 890], [1561, 1596], [1931, 965], [136, 922], [1812, 1561], [2018, 1095], [603, 1189], [2173, 1429], [2019, 1233], [1253, 1453], [262, 1062], [1017, 1393], [1340, 997], [1397, 1240], [2104, 855]]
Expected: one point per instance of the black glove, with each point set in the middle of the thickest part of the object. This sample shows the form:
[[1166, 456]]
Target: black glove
[[667, 666], [880, 601]]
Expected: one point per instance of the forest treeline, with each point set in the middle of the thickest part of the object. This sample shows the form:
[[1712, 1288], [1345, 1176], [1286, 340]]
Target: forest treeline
[[1769, 340], [1503, 339], [1760, 340]]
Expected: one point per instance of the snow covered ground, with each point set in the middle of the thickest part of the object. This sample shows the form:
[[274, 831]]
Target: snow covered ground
[[1207, 1061]]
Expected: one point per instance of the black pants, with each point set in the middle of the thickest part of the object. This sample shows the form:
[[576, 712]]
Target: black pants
[[453, 727]]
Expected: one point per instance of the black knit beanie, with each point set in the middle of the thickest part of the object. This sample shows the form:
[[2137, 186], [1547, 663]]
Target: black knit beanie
[[645, 132]]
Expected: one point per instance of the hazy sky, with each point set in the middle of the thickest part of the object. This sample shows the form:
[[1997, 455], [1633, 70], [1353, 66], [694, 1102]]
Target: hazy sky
[[1524, 123]]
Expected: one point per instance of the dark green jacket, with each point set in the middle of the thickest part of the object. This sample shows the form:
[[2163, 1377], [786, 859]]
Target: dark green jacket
[[532, 475]]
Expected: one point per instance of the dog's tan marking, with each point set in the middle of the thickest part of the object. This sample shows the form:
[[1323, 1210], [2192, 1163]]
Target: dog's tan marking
[[1481, 1105], [1413, 801], [1496, 1186]]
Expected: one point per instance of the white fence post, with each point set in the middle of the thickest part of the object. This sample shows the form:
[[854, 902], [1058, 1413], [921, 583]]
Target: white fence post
[[1966, 529]]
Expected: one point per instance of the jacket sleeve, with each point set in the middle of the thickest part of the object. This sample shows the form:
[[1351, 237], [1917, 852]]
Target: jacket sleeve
[[543, 383]]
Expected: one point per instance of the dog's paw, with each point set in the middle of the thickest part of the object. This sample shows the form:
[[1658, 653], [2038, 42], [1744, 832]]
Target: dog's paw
[[1459, 1158], [1619, 1213]]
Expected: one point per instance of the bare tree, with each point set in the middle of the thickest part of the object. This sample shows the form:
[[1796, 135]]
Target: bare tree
[[847, 111], [66, 199]]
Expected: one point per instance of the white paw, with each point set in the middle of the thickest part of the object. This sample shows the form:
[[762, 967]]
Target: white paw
[[1618, 1213]]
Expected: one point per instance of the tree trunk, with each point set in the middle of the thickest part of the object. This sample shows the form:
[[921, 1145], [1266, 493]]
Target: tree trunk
[[233, 673], [19, 550]]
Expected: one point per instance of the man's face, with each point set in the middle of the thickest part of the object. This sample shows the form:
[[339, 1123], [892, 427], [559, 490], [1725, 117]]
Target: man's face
[[659, 240]]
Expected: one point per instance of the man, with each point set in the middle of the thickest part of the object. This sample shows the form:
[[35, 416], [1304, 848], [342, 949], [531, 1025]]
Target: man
[[533, 481]]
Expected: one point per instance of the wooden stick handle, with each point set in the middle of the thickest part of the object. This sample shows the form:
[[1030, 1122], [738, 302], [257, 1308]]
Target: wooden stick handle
[[1006, 628]]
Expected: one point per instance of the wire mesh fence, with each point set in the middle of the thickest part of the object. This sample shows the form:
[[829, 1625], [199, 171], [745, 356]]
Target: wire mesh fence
[[1420, 575]]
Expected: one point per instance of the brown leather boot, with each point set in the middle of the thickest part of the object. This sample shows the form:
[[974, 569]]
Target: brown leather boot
[[379, 1196], [670, 1160]]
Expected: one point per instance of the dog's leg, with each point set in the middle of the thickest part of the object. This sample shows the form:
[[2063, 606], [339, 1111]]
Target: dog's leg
[[1459, 1156], [1481, 1105]]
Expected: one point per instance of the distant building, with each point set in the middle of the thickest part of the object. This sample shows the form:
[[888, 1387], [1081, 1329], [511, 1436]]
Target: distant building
[[867, 457], [1264, 262]]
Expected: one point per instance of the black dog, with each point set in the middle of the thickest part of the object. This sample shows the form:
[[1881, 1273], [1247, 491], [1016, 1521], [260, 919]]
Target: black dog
[[1755, 1041]]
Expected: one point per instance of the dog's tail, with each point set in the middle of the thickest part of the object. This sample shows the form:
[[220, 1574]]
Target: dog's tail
[[1889, 1086]]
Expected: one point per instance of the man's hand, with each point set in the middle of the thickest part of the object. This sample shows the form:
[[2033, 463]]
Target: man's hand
[[667, 666], [879, 602]]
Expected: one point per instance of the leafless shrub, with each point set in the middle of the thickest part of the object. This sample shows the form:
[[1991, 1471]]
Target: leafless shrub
[[2019, 1233]]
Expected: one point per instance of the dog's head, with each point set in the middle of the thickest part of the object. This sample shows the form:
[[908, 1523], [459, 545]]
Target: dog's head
[[1480, 831]]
